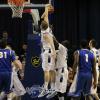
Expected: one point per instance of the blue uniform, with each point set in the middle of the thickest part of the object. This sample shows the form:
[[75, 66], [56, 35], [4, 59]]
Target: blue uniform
[[6, 58], [84, 80]]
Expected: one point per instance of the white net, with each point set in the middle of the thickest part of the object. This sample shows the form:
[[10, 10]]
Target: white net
[[16, 10]]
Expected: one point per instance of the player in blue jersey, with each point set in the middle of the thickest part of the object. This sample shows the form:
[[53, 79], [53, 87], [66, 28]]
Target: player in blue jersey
[[6, 58], [86, 63]]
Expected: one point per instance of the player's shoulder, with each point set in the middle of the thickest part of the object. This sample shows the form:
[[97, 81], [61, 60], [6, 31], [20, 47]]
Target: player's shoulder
[[4, 50], [61, 46], [94, 51], [9, 51]]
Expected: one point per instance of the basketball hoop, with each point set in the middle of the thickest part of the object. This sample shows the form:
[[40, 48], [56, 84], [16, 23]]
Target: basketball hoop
[[17, 7]]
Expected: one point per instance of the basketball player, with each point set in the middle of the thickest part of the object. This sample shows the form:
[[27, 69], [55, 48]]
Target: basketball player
[[48, 54], [6, 58], [85, 61], [92, 45], [61, 70], [16, 85]]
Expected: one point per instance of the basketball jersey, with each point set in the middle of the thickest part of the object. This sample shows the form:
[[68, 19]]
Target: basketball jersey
[[85, 61], [45, 44], [96, 54], [61, 57], [6, 58]]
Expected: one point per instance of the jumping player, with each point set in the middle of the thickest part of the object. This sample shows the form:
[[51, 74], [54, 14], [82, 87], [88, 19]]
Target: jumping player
[[86, 63], [6, 58], [48, 54]]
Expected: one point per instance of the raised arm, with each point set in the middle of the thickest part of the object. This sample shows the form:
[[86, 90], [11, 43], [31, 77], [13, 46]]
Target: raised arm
[[49, 40], [45, 14]]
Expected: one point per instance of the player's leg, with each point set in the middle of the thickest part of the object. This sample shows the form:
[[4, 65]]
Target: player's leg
[[47, 79], [46, 82], [79, 86], [60, 83], [94, 91], [87, 87], [95, 95], [88, 97], [52, 91], [63, 84], [46, 69], [18, 87], [6, 85], [52, 79], [52, 72], [56, 85]]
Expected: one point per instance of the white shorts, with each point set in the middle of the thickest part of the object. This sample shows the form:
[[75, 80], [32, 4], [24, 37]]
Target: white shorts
[[18, 87], [93, 91], [61, 80], [48, 62], [73, 85]]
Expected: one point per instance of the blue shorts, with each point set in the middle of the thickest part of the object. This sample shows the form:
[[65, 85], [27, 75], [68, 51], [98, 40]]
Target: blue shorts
[[5, 81], [84, 82]]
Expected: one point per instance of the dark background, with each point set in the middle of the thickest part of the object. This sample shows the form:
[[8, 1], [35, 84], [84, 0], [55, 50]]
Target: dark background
[[77, 19], [73, 20]]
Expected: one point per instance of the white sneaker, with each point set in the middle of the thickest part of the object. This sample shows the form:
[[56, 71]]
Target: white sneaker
[[51, 95], [43, 93], [11, 96]]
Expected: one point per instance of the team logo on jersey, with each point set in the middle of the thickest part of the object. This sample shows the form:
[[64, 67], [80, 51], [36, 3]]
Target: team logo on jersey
[[36, 61]]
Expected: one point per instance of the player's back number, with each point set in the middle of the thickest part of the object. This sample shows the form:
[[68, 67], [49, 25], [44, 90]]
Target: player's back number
[[3, 54]]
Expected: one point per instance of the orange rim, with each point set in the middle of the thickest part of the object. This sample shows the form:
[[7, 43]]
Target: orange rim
[[16, 2]]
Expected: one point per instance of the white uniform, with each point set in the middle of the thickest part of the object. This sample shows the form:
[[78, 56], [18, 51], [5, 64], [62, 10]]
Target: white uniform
[[47, 59], [96, 54], [61, 70], [16, 83], [73, 85]]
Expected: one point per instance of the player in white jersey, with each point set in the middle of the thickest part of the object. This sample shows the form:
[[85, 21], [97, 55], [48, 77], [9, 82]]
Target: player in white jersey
[[61, 71], [92, 45], [48, 50]]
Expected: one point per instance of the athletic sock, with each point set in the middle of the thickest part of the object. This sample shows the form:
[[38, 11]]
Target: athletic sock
[[52, 86], [61, 98], [46, 85]]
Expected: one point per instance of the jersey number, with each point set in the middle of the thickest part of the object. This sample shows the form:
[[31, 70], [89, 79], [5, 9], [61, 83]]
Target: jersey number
[[86, 57], [3, 54]]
